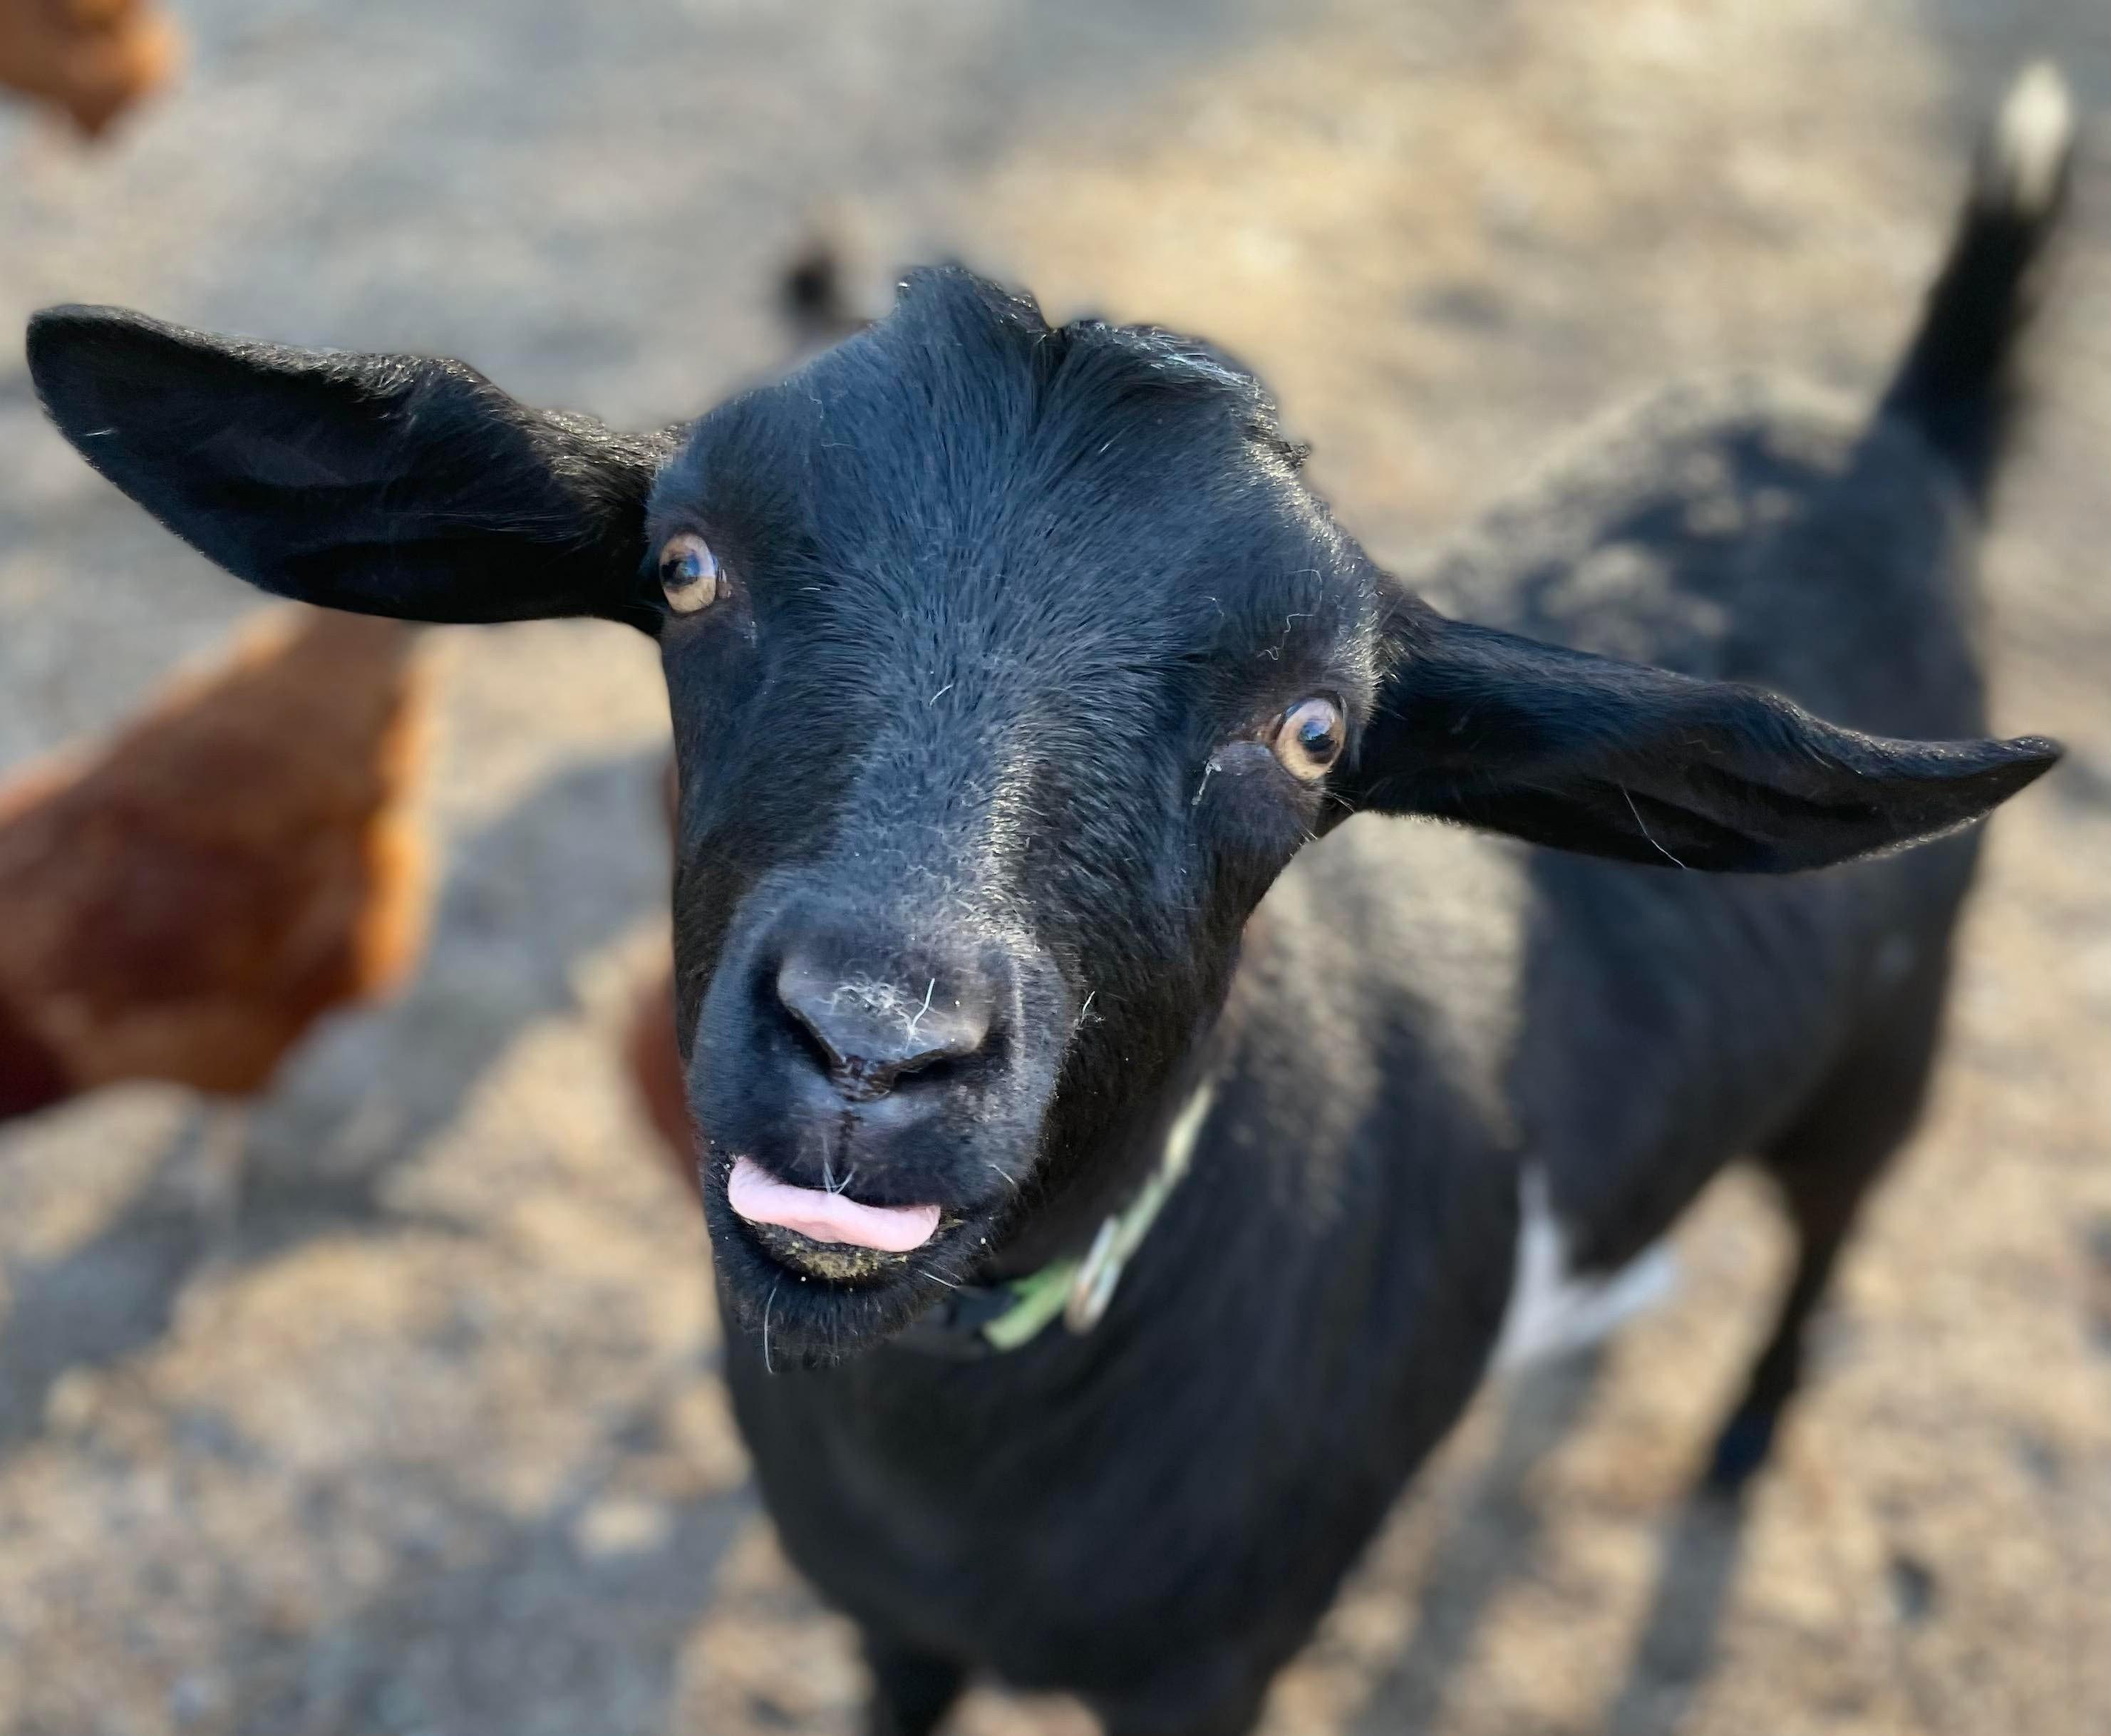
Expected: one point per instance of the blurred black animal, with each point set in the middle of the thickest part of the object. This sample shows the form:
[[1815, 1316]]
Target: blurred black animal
[[816, 303], [1037, 912]]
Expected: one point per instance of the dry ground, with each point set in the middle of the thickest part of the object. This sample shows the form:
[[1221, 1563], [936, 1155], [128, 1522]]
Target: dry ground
[[434, 1444]]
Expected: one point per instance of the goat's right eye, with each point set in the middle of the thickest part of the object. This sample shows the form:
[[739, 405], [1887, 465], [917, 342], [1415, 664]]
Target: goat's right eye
[[689, 574]]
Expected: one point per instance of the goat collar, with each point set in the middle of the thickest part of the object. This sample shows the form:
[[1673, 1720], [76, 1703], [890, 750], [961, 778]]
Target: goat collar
[[977, 1320]]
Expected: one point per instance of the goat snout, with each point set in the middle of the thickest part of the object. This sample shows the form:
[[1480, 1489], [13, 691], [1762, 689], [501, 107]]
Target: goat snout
[[869, 1034]]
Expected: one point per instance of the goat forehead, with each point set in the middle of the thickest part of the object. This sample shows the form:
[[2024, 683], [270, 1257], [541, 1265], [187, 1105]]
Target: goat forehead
[[1019, 563], [963, 456]]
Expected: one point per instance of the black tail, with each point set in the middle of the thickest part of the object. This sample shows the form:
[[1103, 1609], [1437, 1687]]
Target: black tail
[[1953, 384]]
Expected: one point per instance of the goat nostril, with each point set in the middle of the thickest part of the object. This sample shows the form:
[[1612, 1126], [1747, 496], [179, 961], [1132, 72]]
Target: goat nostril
[[868, 1035], [815, 1033]]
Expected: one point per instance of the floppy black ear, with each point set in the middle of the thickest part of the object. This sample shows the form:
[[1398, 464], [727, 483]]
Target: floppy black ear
[[1617, 759], [389, 485]]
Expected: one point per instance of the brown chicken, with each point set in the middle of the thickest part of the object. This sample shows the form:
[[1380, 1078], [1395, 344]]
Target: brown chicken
[[185, 901], [93, 58]]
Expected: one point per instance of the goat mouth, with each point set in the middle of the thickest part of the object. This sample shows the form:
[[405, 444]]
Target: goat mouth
[[808, 1303], [822, 1215], [825, 1234]]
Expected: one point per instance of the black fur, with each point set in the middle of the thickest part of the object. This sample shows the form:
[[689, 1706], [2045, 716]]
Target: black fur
[[1011, 613], [385, 485]]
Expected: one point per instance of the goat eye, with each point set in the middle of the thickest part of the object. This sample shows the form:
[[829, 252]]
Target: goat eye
[[1309, 739], [689, 574]]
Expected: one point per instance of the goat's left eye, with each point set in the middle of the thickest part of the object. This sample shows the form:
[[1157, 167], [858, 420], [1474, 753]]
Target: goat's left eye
[[689, 574], [1309, 739]]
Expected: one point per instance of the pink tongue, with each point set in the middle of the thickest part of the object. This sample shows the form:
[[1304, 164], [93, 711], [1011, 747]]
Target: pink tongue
[[822, 1216]]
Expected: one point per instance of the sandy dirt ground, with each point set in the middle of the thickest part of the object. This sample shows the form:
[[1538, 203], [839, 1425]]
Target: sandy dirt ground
[[433, 1441]]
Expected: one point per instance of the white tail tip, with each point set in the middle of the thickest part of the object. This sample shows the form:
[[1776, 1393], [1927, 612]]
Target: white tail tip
[[2032, 139]]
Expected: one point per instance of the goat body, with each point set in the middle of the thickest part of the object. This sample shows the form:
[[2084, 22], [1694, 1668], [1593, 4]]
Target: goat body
[[1427, 1027], [1019, 682]]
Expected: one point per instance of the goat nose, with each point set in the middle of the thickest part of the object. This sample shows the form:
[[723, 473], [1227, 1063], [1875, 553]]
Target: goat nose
[[871, 1035]]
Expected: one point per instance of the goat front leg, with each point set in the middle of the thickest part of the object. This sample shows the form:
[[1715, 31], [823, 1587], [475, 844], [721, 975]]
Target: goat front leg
[[912, 1691], [1235, 1714]]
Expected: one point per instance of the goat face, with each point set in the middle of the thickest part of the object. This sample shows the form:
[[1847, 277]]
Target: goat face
[[1008, 666]]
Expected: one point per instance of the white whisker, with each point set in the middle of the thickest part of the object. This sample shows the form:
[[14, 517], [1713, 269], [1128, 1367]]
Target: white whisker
[[1645, 831], [767, 1368], [930, 989]]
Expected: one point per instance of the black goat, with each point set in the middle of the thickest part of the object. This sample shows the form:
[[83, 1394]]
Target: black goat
[[1019, 689]]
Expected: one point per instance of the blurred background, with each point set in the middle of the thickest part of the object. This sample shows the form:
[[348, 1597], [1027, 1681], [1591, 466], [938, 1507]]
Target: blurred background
[[388, 1403]]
